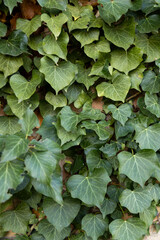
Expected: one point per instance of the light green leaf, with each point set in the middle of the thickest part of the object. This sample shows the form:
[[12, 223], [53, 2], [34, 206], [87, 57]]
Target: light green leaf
[[80, 23], [94, 225], [9, 125], [90, 190], [82, 99], [86, 37], [125, 61], [3, 80], [148, 138], [94, 50], [54, 23], [117, 90], [3, 29], [58, 76], [54, 46], [149, 24], [16, 220], [17, 108], [61, 216], [11, 4], [10, 65], [137, 76], [10, 177], [149, 45], [111, 11], [151, 82], [136, 201], [28, 26], [50, 232], [149, 6], [56, 100], [121, 113], [152, 104], [61, 5], [14, 147], [28, 122], [108, 206], [121, 35], [132, 229], [22, 88], [148, 215], [95, 22], [154, 191], [138, 167]]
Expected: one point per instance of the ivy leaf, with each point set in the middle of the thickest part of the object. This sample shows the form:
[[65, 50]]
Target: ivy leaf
[[56, 100], [111, 11], [154, 191], [16, 220], [14, 147], [9, 125], [148, 215], [102, 129], [132, 229], [58, 76], [56, 47], [148, 138], [11, 4], [17, 108], [121, 113], [22, 88], [10, 65], [10, 177], [149, 24], [94, 50], [151, 82], [117, 90], [50, 232], [54, 23], [61, 5], [94, 186], [139, 167], [28, 122], [61, 216], [136, 201], [86, 37], [121, 35], [149, 6], [137, 76], [3, 80], [149, 45], [28, 26], [94, 225], [108, 206], [3, 29], [125, 61], [152, 104]]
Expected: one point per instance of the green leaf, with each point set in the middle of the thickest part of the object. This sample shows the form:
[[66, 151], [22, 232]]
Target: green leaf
[[3, 29], [9, 125], [10, 65], [86, 37], [28, 26], [151, 82], [56, 100], [121, 35], [50, 232], [111, 11], [102, 129], [154, 191], [125, 61], [148, 215], [94, 225], [14, 147], [58, 47], [137, 76], [136, 201], [82, 99], [18, 108], [131, 229], [54, 23], [108, 206], [149, 24], [61, 216], [15, 45], [121, 113], [148, 138], [22, 88], [11, 4], [138, 167], [149, 6], [117, 90], [10, 177], [149, 46], [58, 76], [3, 80], [94, 186], [16, 220], [28, 122], [94, 50], [61, 4], [152, 104]]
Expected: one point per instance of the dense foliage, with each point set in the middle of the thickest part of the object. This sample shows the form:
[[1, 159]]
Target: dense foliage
[[79, 119]]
